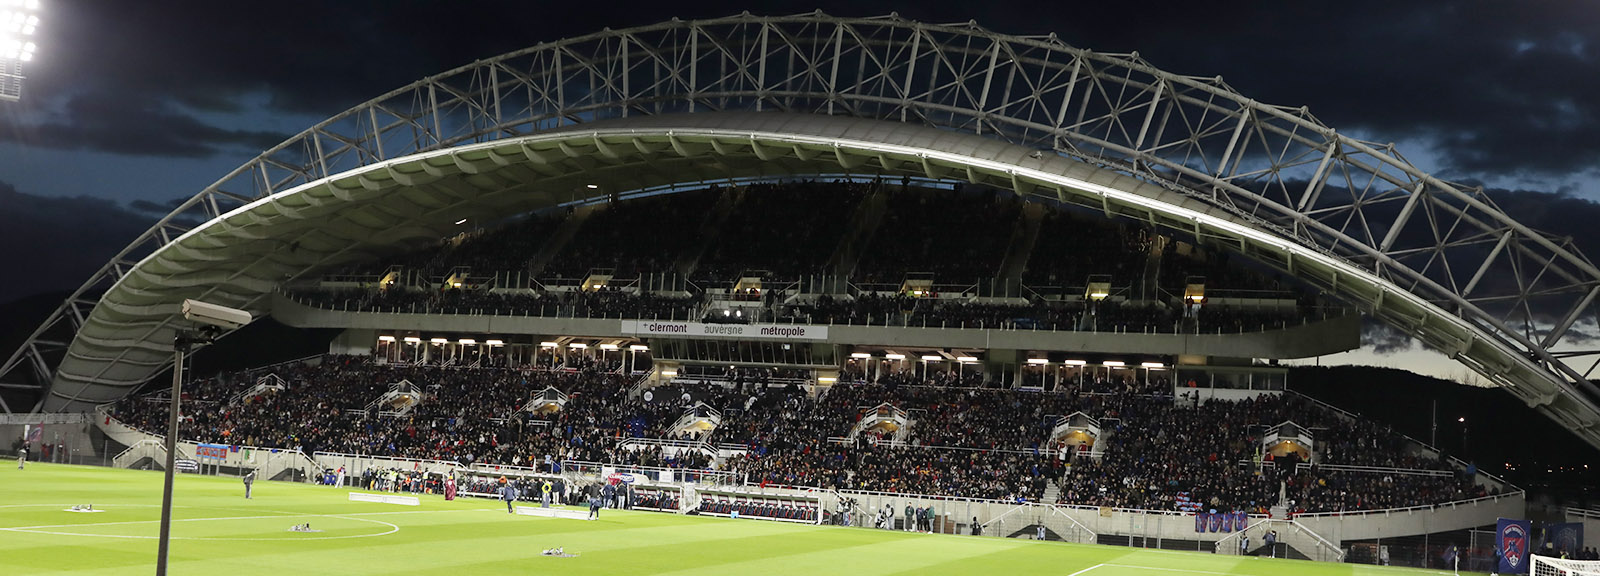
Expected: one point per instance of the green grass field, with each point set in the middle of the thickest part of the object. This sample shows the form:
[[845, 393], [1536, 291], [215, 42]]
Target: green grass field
[[217, 531]]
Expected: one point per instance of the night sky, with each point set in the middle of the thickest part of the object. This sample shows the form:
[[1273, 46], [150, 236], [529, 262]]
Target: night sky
[[132, 106]]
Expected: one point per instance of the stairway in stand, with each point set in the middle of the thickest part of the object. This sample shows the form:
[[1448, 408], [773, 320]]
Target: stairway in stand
[[862, 224], [563, 234], [1052, 493], [1150, 283], [1024, 236], [709, 230]]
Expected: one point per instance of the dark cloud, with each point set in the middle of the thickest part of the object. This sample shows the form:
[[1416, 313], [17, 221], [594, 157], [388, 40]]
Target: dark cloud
[[1384, 339], [137, 126], [157, 208], [66, 239], [1505, 88]]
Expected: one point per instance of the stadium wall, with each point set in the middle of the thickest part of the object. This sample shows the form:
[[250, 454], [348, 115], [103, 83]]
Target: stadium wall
[[1589, 518], [1180, 526], [1418, 520], [73, 432]]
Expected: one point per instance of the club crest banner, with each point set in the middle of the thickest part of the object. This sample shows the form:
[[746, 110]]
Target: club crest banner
[[1512, 538]]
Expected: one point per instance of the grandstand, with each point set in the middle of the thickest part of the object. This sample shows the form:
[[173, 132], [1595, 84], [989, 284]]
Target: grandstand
[[809, 310]]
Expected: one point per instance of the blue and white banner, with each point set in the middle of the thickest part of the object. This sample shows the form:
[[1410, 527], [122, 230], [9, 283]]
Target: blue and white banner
[[1512, 538], [1564, 537], [212, 451]]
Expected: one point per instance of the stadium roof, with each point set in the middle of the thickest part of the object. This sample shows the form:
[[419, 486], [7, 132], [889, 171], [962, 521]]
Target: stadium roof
[[692, 101]]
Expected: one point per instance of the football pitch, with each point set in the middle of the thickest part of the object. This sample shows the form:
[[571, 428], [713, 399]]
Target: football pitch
[[217, 531]]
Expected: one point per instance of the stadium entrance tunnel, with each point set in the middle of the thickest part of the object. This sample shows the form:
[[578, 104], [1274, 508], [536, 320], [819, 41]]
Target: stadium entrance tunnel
[[468, 156]]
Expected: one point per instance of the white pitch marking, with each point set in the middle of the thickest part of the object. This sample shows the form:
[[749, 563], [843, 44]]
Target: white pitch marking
[[27, 528], [1086, 570], [34, 529], [1169, 569]]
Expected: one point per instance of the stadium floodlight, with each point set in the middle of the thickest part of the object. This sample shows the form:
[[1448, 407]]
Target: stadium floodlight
[[608, 346], [1154, 365], [967, 359], [386, 338], [827, 379], [895, 356], [413, 340], [577, 346], [548, 345], [1075, 362], [593, 187], [1039, 361], [669, 373], [461, 221], [466, 342], [440, 340], [19, 20], [860, 355], [932, 358], [493, 342], [639, 348], [1114, 363]]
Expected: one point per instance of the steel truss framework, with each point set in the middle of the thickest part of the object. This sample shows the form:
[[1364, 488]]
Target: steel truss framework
[[1521, 291]]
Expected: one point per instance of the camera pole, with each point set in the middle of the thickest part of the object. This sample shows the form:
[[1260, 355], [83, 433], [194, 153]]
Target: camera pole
[[180, 348]]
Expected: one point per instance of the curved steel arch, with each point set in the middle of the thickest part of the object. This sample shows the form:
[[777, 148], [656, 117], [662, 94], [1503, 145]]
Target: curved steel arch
[[1276, 167]]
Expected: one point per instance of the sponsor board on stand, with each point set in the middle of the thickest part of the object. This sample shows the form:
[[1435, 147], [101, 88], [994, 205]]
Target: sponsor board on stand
[[749, 331]]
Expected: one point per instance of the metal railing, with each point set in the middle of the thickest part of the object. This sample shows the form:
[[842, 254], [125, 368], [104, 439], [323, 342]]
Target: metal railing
[[1450, 504], [1303, 466]]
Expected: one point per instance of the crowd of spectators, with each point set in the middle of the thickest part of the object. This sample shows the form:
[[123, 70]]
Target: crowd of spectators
[[930, 310], [960, 236], [1072, 246], [788, 230], [508, 247], [599, 302], [1208, 450], [635, 236], [960, 441]]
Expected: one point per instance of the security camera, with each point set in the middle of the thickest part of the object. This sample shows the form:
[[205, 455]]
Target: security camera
[[214, 315]]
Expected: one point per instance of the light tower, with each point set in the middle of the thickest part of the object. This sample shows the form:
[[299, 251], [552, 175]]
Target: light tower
[[18, 21]]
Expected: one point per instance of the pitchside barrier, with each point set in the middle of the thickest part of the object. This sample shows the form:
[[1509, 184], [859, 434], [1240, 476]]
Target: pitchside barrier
[[1326, 536], [552, 512], [385, 499]]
